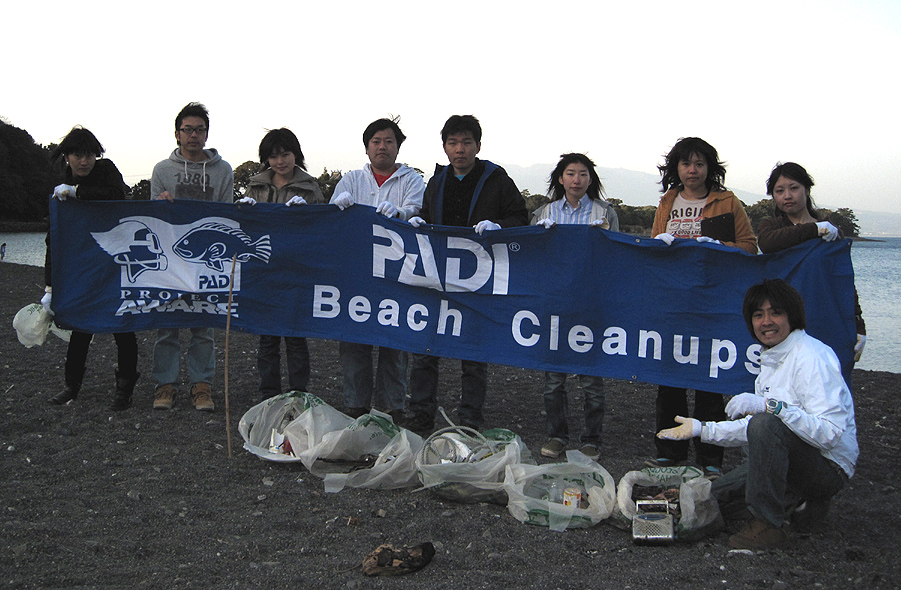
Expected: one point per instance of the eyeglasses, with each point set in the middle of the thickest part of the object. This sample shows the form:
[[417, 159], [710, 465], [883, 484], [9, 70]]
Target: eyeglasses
[[193, 130]]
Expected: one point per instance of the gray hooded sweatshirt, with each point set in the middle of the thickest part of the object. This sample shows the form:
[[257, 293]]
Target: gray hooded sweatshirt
[[209, 180]]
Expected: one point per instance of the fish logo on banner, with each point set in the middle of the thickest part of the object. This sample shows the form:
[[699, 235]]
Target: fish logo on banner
[[171, 267]]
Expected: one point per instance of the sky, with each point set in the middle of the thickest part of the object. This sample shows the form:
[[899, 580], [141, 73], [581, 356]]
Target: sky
[[813, 82]]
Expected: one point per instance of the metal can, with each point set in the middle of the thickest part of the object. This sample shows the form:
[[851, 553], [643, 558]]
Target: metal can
[[572, 497]]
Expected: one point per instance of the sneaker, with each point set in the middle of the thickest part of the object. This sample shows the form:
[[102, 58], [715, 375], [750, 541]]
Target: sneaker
[[712, 472], [810, 516], [356, 412], [165, 397], [420, 423], [202, 397], [591, 451], [759, 534], [553, 448]]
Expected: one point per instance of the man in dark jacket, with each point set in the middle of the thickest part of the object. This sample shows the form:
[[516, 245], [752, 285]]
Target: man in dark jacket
[[468, 193]]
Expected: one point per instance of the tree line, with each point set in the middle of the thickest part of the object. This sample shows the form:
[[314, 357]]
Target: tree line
[[27, 177]]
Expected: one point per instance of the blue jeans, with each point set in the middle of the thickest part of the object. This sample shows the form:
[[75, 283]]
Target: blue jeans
[[201, 356], [780, 466], [424, 388], [390, 376], [672, 402], [556, 406], [269, 364]]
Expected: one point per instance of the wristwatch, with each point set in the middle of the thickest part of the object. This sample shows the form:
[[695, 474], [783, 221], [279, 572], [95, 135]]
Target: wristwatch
[[774, 406]]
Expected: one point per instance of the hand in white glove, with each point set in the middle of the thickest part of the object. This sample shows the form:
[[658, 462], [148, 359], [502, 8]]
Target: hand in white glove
[[416, 221], [344, 200], [858, 348], [598, 223], [689, 428], [246, 201], [386, 209], [827, 231], [706, 240], [64, 190], [45, 301], [547, 222], [667, 238], [745, 404], [485, 225], [296, 200]]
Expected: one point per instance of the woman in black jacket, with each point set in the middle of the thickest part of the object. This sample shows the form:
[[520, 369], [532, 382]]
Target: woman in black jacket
[[88, 177]]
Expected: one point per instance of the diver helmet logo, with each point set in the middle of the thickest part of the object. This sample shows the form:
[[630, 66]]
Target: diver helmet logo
[[135, 247]]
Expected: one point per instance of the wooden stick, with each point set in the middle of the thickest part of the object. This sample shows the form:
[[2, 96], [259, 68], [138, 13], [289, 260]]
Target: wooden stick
[[228, 325]]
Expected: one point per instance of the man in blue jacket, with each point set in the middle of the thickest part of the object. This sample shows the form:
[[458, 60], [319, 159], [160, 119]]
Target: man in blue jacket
[[467, 193]]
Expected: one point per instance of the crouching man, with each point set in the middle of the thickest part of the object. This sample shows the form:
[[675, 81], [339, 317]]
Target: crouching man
[[798, 425]]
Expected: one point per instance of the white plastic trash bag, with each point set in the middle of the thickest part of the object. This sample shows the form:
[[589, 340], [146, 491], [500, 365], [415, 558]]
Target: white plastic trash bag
[[700, 514], [263, 426], [460, 464], [32, 323], [535, 492], [394, 468]]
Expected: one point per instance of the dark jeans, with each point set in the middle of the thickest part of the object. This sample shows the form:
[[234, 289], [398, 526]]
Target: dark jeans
[[390, 392], [709, 407], [269, 364], [77, 355], [556, 406], [424, 388], [780, 468]]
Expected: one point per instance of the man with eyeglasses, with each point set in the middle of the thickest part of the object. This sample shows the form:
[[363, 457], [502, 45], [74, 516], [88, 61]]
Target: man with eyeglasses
[[194, 173]]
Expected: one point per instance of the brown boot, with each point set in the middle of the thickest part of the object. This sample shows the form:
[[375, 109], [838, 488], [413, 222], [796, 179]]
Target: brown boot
[[759, 534], [165, 397], [202, 397]]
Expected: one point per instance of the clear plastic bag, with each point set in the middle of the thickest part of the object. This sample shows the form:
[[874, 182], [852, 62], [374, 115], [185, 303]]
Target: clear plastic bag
[[535, 492], [32, 323]]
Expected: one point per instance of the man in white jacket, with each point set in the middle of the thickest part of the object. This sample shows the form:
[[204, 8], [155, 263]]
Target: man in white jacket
[[395, 190], [798, 424]]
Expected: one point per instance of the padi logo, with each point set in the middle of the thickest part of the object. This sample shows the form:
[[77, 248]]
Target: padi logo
[[474, 268], [166, 267]]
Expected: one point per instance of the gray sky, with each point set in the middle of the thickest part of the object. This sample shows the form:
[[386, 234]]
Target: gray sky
[[809, 81]]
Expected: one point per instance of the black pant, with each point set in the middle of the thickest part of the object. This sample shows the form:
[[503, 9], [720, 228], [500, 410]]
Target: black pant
[[77, 355], [709, 407]]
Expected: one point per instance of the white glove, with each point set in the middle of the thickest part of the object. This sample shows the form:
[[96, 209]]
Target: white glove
[[485, 225], [598, 223], [416, 221], [689, 428], [246, 201], [668, 238], [858, 348], [827, 231], [547, 222], [706, 240], [386, 209], [745, 404], [344, 200], [296, 200], [45, 301], [62, 191]]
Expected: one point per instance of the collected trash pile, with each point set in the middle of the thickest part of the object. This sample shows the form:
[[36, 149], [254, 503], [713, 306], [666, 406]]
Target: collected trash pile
[[464, 465]]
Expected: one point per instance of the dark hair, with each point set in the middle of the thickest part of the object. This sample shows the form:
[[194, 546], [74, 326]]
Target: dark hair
[[556, 191], [78, 139], [461, 124], [781, 296], [382, 124], [683, 150], [192, 109], [794, 172], [281, 138]]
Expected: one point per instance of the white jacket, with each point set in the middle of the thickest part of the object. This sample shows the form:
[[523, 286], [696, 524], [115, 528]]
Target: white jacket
[[805, 374], [403, 190]]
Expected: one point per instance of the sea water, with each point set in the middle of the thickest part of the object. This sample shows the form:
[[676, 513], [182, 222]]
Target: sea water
[[877, 268]]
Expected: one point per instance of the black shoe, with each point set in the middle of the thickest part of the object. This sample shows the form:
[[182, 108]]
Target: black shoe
[[125, 387], [66, 395], [810, 517], [397, 416], [421, 423], [356, 412]]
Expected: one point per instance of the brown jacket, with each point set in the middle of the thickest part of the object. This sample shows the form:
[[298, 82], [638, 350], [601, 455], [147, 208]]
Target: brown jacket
[[718, 203]]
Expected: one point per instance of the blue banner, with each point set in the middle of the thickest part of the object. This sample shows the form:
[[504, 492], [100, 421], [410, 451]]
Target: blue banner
[[574, 299]]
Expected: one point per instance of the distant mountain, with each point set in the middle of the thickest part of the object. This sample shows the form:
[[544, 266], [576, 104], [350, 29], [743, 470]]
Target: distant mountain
[[640, 188]]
